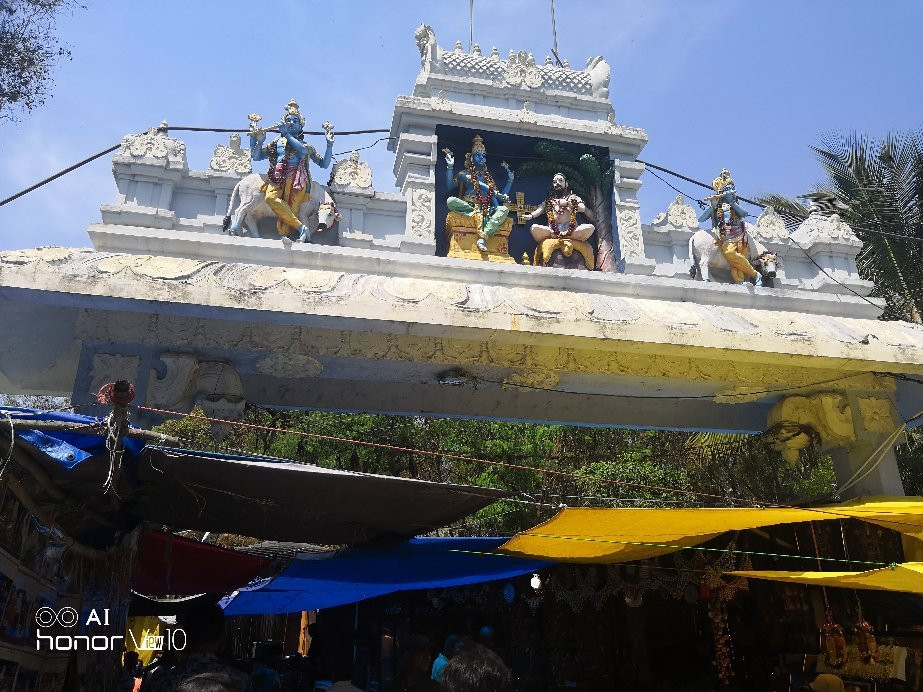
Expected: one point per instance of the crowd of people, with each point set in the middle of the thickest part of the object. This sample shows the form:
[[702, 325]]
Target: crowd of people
[[461, 665]]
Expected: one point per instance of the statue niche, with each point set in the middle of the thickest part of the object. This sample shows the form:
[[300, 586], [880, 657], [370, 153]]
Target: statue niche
[[477, 225]]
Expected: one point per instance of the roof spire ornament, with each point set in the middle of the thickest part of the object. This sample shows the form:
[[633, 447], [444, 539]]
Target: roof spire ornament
[[291, 108]]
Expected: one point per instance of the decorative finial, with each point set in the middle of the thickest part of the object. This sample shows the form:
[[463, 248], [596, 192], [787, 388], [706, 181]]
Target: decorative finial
[[477, 144], [566, 64], [291, 108], [494, 53], [548, 60], [512, 54], [458, 47], [722, 180], [476, 50]]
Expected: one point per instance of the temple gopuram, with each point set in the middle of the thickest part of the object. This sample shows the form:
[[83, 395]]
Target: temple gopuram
[[510, 277]]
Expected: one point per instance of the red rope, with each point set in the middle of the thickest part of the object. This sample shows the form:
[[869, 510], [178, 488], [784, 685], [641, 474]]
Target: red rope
[[519, 467]]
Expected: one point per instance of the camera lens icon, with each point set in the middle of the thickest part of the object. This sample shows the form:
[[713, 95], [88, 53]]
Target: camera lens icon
[[65, 617], [45, 616]]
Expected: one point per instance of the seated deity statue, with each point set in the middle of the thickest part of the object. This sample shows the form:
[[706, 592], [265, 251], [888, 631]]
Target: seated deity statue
[[561, 208], [478, 201], [557, 241], [288, 183], [728, 228]]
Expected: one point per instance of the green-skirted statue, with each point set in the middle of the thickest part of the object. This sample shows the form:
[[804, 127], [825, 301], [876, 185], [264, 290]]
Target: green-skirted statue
[[477, 192]]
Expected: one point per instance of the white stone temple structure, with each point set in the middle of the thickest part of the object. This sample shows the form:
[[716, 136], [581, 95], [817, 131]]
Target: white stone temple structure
[[379, 321]]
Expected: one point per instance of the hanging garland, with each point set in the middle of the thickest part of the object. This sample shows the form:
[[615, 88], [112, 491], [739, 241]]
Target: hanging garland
[[554, 207]]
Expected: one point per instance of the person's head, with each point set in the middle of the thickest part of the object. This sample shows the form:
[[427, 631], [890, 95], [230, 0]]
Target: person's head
[[559, 184], [478, 152], [452, 642], [486, 635], [209, 682], [130, 659], [204, 627], [418, 654], [292, 119], [476, 668]]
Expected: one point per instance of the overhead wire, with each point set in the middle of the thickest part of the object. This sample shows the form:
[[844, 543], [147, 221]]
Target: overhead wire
[[521, 467]]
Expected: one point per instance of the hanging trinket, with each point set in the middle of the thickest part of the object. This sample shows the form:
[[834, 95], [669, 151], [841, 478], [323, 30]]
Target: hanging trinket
[[834, 643], [865, 642]]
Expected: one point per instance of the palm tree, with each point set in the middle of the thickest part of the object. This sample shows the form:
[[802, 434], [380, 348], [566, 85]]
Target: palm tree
[[881, 185], [590, 176]]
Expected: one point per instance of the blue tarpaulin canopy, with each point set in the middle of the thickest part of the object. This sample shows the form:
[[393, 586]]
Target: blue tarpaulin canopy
[[325, 580]]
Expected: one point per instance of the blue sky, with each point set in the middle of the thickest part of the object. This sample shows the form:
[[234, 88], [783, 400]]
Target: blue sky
[[716, 83]]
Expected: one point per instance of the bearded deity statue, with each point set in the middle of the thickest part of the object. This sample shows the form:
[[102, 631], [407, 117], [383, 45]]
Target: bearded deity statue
[[563, 234]]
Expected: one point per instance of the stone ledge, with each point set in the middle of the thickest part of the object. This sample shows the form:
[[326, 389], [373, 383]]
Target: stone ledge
[[112, 238]]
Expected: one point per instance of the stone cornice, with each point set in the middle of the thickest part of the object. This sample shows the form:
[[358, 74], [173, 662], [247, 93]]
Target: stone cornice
[[463, 303]]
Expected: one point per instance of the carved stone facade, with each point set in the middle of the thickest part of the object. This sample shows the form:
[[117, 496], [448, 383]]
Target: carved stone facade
[[353, 173], [422, 219], [770, 227], [231, 158], [154, 144], [857, 429]]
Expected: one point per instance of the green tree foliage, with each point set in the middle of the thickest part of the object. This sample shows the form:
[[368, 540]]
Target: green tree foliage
[[29, 52], [545, 466], [880, 184]]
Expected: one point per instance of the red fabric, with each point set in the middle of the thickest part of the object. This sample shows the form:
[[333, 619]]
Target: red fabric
[[176, 566]]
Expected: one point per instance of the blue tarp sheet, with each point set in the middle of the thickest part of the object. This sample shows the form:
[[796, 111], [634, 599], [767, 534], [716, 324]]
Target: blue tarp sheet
[[68, 448], [332, 579]]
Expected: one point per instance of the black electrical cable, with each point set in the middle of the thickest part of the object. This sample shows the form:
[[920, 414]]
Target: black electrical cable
[[59, 174], [164, 129]]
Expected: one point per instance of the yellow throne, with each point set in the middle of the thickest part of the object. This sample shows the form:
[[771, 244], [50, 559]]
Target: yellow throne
[[462, 233]]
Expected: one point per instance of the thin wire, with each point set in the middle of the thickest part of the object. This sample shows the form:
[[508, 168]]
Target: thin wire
[[704, 549], [673, 396], [522, 467], [735, 551], [171, 128], [668, 184], [761, 206], [380, 139], [102, 153], [827, 274]]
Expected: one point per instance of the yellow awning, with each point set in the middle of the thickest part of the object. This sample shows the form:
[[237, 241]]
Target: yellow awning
[[621, 535], [906, 577]]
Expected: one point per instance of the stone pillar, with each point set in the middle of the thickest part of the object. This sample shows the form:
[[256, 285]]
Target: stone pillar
[[627, 218], [858, 429], [415, 169]]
